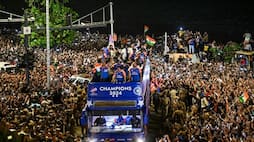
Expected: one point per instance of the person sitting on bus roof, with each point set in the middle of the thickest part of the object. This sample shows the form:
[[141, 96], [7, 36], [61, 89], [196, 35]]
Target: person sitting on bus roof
[[100, 121], [134, 73], [119, 76]]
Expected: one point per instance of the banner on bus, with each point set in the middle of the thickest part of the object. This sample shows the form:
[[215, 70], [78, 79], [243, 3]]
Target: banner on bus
[[106, 89]]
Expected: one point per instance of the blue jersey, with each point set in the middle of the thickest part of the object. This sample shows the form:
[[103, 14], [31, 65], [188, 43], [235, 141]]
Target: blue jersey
[[192, 42], [128, 120], [146, 120], [120, 120], [104, 72], [135, 74], [106, 51], [119, 76], [83, 120], [133, 56], [116, 65]]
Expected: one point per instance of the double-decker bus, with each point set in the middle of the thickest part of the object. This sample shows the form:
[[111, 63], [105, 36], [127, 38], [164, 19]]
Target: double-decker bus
[[118, 111]]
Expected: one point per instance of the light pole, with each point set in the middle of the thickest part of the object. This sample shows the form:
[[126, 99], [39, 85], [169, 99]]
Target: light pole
[[111, 19], [26, 32], [48, 44]]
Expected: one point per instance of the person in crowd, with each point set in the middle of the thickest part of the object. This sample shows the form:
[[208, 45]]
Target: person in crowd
[[125, 53], [106, 52], [209, 106], [247, 41], [191, 43], [133, 54]]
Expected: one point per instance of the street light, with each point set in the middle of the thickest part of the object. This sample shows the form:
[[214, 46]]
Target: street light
[[48, 45], [26, 32]]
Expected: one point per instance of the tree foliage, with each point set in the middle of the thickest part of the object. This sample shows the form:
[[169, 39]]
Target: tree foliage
[[229, 50], [58, 13]]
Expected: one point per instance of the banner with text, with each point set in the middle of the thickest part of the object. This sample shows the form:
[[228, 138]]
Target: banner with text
[[107, 90]]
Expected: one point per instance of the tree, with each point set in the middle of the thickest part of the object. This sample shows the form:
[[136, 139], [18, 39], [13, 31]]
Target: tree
[[229, 50], [58, 13]]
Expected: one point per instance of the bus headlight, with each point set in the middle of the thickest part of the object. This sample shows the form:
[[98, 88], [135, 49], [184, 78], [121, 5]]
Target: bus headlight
[[92, 140], [140, 140]]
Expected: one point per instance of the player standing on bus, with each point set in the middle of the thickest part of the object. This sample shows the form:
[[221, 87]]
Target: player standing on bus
[[119, 75], [134, 73]]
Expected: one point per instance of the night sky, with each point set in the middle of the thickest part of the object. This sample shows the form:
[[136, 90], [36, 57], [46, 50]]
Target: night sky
[[223, 20]]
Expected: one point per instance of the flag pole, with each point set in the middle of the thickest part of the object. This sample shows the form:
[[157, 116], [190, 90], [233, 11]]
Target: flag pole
[[165, 43]]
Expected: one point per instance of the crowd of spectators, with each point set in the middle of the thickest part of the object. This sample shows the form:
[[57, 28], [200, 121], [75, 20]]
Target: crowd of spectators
[[198, 101], [34, 113], [39, 115], [202, 101]]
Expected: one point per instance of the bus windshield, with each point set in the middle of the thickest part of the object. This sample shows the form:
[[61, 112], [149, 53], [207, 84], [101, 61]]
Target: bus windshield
[[115, 121]]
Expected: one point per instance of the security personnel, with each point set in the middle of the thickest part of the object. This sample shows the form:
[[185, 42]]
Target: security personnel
[[179, 116], [134, 73], [166, 105]]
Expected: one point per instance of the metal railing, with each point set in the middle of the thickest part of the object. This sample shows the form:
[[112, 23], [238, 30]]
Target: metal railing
[[14, 17], [92, 23]]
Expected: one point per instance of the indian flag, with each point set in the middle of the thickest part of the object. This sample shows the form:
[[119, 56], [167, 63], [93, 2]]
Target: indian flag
[[244, 97], [146, 28], [150, 41]]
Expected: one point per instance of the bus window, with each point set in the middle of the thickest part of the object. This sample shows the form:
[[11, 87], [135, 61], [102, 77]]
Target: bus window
[[107, 121]]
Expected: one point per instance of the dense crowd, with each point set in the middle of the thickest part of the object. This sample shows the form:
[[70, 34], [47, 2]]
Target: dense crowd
[[202, 101], [33, 112], [198, 101]]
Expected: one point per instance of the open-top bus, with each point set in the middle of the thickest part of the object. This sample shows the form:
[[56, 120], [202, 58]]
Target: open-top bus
[[107, 101]]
